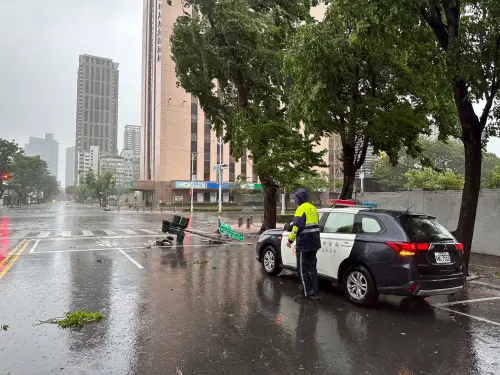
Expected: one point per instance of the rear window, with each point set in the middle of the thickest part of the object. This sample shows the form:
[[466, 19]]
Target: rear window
[[424, 229]]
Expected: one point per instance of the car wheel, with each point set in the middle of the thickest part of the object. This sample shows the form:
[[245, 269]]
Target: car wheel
[[359, 286], [270, 262]]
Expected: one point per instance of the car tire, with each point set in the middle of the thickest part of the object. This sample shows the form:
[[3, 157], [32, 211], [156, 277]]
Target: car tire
[[270, 261], [359, 286]]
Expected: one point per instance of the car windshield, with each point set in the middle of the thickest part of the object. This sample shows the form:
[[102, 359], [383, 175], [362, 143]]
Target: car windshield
[[425, 229]]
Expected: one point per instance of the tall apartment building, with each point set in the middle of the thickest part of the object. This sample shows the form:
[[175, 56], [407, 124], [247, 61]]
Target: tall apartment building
[[132, 163], [70, 166], [132, 139], [97, 104], [85, 161], [48, 150], [177, 138]]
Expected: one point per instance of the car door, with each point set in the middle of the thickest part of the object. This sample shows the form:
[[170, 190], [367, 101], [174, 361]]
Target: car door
[[337, 240], [288, 257]]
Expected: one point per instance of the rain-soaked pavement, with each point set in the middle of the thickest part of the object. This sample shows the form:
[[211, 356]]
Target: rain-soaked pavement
[[165, 314]]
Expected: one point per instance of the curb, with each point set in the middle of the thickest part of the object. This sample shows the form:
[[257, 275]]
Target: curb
[[492, 286], [472, 277]]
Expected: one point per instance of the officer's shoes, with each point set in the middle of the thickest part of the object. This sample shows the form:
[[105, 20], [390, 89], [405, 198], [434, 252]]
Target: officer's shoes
[[315, 298], [299, 297]]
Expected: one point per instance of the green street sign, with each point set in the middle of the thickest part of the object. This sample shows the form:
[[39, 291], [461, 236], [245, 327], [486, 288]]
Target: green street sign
[[228, 231]]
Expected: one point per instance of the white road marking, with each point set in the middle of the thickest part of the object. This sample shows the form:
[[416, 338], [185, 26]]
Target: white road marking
[[34, 246], [133, 248], [485, 284], [109, 232], [480, 265], [20, 234], [466, 301], [149, 231], [43, 234], [66, 233], [87, 233], [470, 316], [130, 258], [128, 231]]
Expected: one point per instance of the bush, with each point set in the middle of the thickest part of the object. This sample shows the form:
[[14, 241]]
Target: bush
[[283, 219]]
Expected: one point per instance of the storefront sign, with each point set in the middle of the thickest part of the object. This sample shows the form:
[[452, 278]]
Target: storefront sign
[[214, 185], [187, 185]]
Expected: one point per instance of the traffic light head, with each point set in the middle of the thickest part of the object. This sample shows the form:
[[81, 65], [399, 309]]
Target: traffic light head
[[6, 176]]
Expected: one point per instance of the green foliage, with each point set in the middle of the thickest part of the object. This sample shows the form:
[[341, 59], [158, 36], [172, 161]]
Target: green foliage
[[493, 181], [8, 152], [354, 75], [432, 180], [70, 190], [78, 319], [96, 187], [235, 71]]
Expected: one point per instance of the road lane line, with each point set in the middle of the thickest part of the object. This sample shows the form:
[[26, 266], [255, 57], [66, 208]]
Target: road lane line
[[128, 231], [466, 301], [34, 246], [87, 233], [148, 231], [43, 234], [13, 259], [130, 258], [66, 233], [18, 245], [493, 286], [109, 232], [469, 316], [20, 234]]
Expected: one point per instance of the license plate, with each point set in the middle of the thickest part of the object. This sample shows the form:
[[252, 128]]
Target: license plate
[[442, 257]]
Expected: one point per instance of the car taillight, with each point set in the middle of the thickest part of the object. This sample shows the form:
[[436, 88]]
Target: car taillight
[[460, 246], [408, 248]]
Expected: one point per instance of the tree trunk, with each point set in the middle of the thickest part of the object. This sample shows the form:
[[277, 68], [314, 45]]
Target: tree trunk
[[349, 170], [471, 138], [270, 201]]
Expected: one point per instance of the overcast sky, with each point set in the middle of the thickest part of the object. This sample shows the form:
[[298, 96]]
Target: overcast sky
[[40, 41]]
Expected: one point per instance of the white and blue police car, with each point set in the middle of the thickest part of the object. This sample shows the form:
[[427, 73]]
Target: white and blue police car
[[368, 251]]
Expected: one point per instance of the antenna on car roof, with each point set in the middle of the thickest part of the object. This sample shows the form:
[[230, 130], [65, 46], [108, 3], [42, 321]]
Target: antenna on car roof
[[409, 208]]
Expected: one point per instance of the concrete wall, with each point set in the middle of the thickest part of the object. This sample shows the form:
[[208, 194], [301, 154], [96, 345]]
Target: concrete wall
[[445, 205]]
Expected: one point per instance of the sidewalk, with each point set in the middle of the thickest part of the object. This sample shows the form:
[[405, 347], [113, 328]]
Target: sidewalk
[[487, 267]]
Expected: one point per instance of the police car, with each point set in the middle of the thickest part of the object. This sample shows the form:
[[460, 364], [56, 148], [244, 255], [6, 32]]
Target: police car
[[369, 251]]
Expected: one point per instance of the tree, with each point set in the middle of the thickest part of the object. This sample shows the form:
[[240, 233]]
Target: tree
[[104, 187], [315, 183], [353, 76], [82, 193], [390, 177], [29, 174], [431, 180], [48, 185], [493, 181], [8, 151], [70, 190], [235, 72], [468, 40]]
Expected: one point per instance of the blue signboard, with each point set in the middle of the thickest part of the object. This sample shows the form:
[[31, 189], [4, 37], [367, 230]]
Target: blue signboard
[[215, 185]]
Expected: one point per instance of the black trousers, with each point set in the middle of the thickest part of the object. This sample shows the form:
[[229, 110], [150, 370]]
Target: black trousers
[[308, 274]]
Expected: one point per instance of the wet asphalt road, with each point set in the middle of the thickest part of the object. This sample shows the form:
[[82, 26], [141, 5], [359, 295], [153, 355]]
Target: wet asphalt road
[[165, 314]]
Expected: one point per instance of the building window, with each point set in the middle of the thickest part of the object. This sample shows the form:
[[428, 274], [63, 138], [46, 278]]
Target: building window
[[97, 73], [92, 73], [91, 118], [106, 144], [92, 87], [97, 88], [87, 88], [85, 129], [96, 116], [96, 105]]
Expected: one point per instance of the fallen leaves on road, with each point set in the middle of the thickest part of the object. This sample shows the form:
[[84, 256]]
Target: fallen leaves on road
[[404, 334], [339, 309], [202, 261], [76, 319], [179, 372], [4, 327]]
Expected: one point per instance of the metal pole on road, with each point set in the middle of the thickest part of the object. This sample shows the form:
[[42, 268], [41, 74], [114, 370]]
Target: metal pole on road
[[193, 156], [220, 174]]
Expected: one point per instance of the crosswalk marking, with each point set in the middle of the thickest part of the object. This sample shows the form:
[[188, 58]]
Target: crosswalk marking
[[43, 234], [128, 231], [66, 233], [87, 233], [109, 232], [148, 231], [20, 234]]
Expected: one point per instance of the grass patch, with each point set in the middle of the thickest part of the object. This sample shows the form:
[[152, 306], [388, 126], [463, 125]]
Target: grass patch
[[202, 261]]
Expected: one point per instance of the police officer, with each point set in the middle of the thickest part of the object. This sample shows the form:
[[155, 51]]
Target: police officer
[[305, 232]]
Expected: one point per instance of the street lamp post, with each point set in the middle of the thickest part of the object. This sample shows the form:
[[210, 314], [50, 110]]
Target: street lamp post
[[193, 156], [219, 143]]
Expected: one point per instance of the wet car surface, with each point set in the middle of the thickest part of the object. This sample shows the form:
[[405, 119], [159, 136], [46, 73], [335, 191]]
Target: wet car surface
[[209, 309]]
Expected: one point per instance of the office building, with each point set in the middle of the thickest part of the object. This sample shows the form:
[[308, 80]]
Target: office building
[[97, 104], [48, 150], [132, 163], [177, 139], [87, 160], [70, 166], [116, 165], [132, 139]]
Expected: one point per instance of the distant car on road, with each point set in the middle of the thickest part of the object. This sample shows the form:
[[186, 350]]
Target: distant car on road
[[369, 251]]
